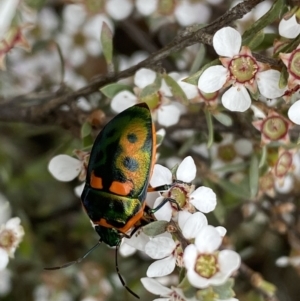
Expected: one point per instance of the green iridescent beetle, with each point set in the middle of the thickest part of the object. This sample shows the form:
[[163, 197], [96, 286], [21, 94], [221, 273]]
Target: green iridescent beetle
[[118, 173]]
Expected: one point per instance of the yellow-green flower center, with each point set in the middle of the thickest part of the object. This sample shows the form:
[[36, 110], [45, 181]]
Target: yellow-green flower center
[[95, 6], [226, 152], [206, 265], [283, 164], [243, 68], [274, 128], [179, 195], [166, 7], [294, 65], [7, 239]]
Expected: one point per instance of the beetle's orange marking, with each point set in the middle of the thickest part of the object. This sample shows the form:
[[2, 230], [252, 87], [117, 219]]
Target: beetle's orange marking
[[121, 188], [96, 182], [128, 225]]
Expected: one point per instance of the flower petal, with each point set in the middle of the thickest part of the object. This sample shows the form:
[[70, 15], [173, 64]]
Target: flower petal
[[236, 99], [294, 112], [229, 261], [268, 83], [162, 267], [126, 250], [196, 280], [122, 101], [146, 8], [119, 9], [194, 225], [160, 176], [222, 231], [208, 240], [64, 168], [213, 79], [138, 241], [227, 42], [183, 216], [144, 77], [154, 287], [160, 247], [204, 199], [5, 209], [186, 171], [165, 212], [3, 259], [168, 115], [289, 28], [189, 257]]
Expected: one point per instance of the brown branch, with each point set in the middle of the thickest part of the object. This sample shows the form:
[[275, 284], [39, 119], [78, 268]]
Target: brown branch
[[37, 113]]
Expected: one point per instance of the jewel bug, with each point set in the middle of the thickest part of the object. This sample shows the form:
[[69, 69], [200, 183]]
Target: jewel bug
[[119, 172], [118, 175]]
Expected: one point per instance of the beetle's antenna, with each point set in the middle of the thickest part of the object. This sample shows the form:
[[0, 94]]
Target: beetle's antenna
[[75, 261], [120, 276]]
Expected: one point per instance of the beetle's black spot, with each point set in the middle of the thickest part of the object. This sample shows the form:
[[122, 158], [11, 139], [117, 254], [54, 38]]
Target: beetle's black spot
[[111, 132], [130, 164], [132, 138]]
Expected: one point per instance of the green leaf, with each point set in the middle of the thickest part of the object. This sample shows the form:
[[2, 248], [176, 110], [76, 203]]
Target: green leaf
[[283, 77], [267, 287], [225, 290], [268, 18], [86, 130], [253, 176], [112, 89], [267, 42], [187, 145], [107, 43], [235, 189], [62, 61], [194, 78], [86, 134], [198, 59], [150, 93], [256, 40], [155, 228], [223, 119], [210, 127], [263, 157], [160, 138], [175, 89]]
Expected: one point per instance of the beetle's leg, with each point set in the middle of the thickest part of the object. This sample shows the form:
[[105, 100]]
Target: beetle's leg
[[120, 276], [160, 188], [164, 201], [75, 261]]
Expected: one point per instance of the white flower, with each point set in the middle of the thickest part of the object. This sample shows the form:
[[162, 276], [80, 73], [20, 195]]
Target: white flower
[[188, 13], [284, 261], [191, 224], [146, 8], [205, 265], [5, 282], [294, 112], [203, 198], [7, 11], [166, 294], [119, 9], [64, 168], [289, 28], [161, 247], [137, 241], [123, 100], [11, 234], [5, 209], [169, 252], [241, 70]]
